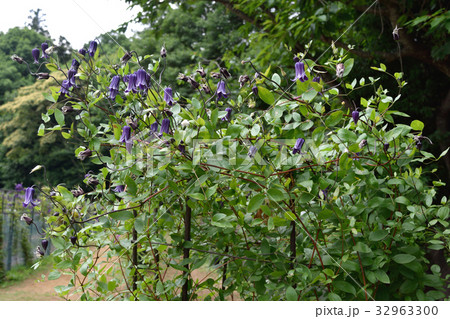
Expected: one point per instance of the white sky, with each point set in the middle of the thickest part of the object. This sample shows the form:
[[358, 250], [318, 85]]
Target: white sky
[[79, 21]]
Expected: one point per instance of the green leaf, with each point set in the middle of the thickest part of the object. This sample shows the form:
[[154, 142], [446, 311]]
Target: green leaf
[[403, 258], [55, 274], [362, 247], [291, 294], [334, 118], [378, 235], [266, 95], [131, 185], [275, 194], [344, 286], [417, 125], [59, 116], [255, 203], [122, 215], [348, 66], [234, 130], [382, 276]]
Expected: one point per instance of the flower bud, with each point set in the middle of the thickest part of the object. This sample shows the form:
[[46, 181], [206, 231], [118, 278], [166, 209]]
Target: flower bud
[[340, 70], [127, 56], [243, 79], [385, 147], [201, 71], [225, 73], [355, 116], [163, 52], [85, 154], [66, 109], [362, 143], [73, 240], [17, 58], [44, 243], [42, 76], [27, 219]]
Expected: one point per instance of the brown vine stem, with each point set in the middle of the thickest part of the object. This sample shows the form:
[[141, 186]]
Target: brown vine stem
[[361, 266]]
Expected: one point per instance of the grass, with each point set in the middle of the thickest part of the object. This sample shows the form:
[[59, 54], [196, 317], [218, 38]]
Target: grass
[[18, 274]]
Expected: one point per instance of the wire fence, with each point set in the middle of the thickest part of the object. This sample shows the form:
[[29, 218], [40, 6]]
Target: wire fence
[[18, 240]]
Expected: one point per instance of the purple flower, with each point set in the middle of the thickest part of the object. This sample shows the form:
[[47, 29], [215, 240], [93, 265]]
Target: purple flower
[[19, 187], [355, 116], [126, 138], [298, 146], [154, 127], [119, 189], [82, 51], [252, 151], [164, 127], [44, 243], [71, 77], [316, 79], [75, 64], [385, 147], [228, 116], [29, 194], [168, 98], [35, 54], [181, 147], [114, 87], [131, 84], [255, 90], [92, 48], [65, 86], [300, 72], [221, 92], [142, 79], [44, 46]]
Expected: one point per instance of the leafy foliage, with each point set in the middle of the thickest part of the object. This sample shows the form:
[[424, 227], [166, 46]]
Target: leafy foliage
[[345, 217]]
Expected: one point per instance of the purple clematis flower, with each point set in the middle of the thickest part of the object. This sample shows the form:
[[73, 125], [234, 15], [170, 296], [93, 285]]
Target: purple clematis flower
[[298, 146], [168, 97], [65, 86], [355, 116], [19, 187], [255, 90], [35, 54], [131, 84], [44, 46], [29, 194], [164, 127], [92, 48], [300, 72], [126, 138], [119, 189], [154, 127], [221, 92], [71, 77], [252, 151], [114, 87], [142, 79], [228, 116], [82, 51]]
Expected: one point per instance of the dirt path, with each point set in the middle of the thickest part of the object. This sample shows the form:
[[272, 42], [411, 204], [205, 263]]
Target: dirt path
[[34, 288]]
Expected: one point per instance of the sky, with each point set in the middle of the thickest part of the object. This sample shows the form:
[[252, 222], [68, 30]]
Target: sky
[[79, 21]]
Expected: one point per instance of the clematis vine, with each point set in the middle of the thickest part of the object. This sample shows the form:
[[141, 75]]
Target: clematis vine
[[228, 116], [142, 79], [35, 54], [65, 86], [29, 194], [114, 87], [44, 46], [126, 138], [168, 97], [300, 72], [298, 146], [355, 116], [164, 127], [221, 91], [131, 84], [92, 48]]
